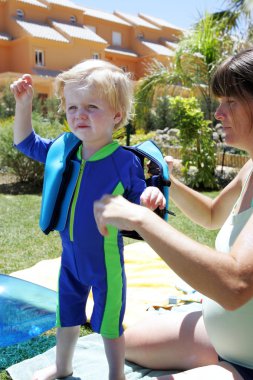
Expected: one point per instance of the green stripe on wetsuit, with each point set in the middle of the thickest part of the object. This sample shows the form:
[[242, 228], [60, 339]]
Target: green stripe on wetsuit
[[110, 322], [99, 155]]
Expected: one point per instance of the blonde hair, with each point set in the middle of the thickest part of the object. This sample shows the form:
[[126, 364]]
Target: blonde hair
[[109, 81]]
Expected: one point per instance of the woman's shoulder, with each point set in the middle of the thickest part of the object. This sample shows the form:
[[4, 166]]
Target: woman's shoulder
[[233, 190], [245, 172]]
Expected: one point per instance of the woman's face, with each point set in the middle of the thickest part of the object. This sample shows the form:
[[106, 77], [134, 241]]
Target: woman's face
[[236, 117]]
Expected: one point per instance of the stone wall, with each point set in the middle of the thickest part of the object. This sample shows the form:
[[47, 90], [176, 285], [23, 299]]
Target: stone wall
[[167, 139], [231, 160]]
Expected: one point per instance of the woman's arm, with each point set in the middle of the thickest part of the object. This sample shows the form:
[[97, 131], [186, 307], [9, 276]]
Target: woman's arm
[[226, 278], [207, 212]]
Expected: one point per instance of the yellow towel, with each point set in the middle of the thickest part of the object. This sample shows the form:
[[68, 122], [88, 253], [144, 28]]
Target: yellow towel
[[150, 281]]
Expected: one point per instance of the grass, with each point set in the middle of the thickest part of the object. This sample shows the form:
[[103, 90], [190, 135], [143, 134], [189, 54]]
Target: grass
[[19, 352], [23, 245], [22, 242], [190, 229]]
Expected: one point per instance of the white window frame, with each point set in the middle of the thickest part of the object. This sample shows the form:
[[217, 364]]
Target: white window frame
[[124, 68], [39, 58], [95, 55], [20, 14], [72, 20], [116, 39], [140, 35]]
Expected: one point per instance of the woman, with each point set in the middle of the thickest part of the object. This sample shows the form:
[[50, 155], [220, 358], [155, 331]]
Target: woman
[[216, 343]]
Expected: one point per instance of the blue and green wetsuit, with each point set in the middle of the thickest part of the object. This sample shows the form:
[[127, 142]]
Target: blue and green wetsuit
[[90, 260]]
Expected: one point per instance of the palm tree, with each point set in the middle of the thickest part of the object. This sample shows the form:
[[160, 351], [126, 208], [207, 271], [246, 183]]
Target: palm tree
[[239, 8], [159, 80], [209, 42], [238, 12], [198, 53]]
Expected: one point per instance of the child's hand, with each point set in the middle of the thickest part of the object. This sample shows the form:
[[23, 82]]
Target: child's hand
[[153, 198], [22, 90]]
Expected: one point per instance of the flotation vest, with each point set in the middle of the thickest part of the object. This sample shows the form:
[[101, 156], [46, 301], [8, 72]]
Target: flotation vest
[[61, 175], [60, 178], [158, 176]]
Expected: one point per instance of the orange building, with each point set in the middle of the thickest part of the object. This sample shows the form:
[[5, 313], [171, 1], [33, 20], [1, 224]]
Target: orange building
[[45, 37]]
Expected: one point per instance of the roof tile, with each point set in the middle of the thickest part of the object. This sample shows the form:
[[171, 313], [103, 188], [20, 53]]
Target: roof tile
[[80, 32], [159, 22], [34, 2], [170, 44], [41, 31], [5, 37], [65, 3], [135, 20], [104, 16], [158, 49], [113, 49]]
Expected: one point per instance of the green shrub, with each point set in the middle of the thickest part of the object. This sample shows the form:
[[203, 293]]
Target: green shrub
[[11, 160], [156, 117], [162, 113], [47, 107], [7, 103], [198, 147]]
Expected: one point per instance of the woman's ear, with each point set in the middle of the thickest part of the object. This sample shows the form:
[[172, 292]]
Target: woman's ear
[[118, 117]]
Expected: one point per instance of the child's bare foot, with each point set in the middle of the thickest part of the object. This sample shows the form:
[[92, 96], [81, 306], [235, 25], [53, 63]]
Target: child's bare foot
[[49, 373]]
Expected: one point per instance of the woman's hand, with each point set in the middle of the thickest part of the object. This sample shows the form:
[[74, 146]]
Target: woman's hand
[[169, 161], [117, 211]]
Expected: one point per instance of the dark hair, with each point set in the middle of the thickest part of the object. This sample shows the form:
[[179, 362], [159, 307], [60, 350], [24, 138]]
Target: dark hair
[[234, 77]]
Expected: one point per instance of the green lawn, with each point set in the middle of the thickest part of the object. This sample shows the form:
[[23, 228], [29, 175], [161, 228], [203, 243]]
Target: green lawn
[[23, 245], [192, 230], [22, 242]]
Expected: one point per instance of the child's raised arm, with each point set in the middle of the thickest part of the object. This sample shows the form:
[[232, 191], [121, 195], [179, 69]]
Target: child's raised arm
[[23, 92]]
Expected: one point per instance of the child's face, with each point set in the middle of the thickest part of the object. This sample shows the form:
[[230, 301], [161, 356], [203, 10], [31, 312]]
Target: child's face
[[89, 117]]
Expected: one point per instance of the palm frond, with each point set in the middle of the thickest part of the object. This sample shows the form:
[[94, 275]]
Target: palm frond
[[160, 79]]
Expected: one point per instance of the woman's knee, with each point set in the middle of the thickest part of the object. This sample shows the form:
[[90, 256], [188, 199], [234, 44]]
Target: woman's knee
[[163, 341]]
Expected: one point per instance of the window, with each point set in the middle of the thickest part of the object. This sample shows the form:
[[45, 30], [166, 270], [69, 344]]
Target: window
[[95, 56], [72, 19], [20, 14], [140, 35], [92, 28], [42, 97], [116, 39], [39, 58]]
